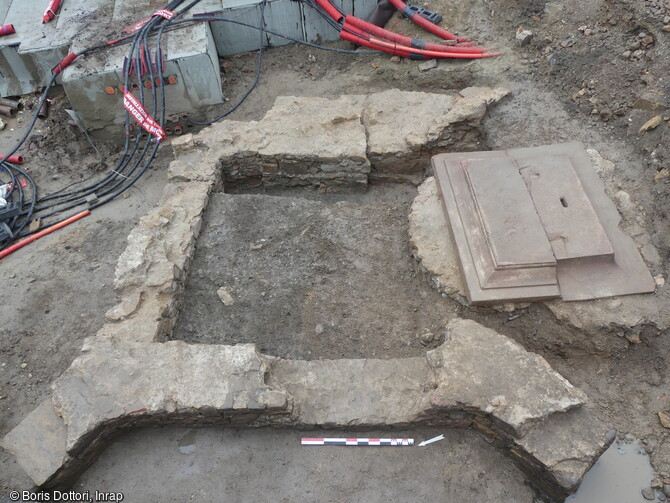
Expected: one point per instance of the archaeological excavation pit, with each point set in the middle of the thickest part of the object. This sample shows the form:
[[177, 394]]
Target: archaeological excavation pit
[[301, 274], [316, 276], [285, 280]]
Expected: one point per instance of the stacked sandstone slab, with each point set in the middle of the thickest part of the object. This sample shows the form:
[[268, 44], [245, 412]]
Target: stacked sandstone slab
[[349, 141]]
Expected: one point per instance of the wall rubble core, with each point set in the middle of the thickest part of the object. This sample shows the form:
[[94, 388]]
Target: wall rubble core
[[349, 141]]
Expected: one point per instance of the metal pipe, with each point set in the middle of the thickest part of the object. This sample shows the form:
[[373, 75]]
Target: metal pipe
[[44, 111], [7, 111], [10, 103]]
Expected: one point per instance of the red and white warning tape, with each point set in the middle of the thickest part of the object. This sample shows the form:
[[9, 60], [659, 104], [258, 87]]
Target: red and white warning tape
[[138, 112], [167, 14], [358, 441]]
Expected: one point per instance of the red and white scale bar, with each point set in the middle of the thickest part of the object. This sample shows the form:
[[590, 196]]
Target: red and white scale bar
[[358, 441]]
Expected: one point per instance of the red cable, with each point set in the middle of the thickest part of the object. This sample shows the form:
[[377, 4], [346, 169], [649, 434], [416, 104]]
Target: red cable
[[424, 23], [65, 62], [408, 41], [435, 54], [359, 36], [52, 10], [7, 29], [464, 46], [330, 10], [345, 35], [44, 232]]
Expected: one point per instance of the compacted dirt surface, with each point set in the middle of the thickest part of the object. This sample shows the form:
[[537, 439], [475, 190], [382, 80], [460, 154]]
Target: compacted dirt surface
[[55, 292], [271, 465], [312, 275]]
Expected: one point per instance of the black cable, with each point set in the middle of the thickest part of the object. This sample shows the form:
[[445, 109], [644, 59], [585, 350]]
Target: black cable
[[144, 49], [134, 160], [334, 24], [253, 84], [209, 18]]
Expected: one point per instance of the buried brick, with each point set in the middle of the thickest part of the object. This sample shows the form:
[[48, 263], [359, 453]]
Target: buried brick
[[477, 378]]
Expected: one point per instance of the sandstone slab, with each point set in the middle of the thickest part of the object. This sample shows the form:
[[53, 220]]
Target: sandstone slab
[[505, 208], [342, 142], [503, 251], [482, 371], [478, 378], [436, 255]]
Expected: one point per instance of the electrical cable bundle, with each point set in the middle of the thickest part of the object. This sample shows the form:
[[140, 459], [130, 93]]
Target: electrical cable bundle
[[24, 216], [139, 149]]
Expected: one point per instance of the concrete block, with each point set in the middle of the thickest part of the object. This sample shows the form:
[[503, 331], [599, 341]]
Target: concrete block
[[4, 8], [190, 55], [25, 58]]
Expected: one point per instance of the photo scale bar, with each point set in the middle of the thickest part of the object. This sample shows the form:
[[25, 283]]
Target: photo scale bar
[[396, 442]]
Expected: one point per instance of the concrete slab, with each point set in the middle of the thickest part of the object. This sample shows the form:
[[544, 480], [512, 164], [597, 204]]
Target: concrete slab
[[281, 16], [570, 222], [493, 214], [316, 28], [4, 8], [131, 11], [27, 56], [596, 277], [232, 38], [31, 34]]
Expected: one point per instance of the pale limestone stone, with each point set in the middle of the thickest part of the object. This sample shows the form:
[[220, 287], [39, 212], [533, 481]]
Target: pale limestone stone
[[125, 308], [477, 378], [431, 243]]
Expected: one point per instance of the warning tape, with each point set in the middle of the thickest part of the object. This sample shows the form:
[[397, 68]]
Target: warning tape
[[138, 112], [167, 14], [358, 441]]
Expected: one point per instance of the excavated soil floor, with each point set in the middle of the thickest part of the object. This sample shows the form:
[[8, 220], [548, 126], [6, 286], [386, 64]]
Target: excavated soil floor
[[302, 293]]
